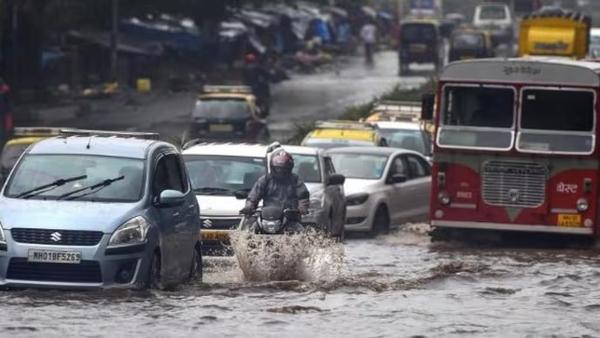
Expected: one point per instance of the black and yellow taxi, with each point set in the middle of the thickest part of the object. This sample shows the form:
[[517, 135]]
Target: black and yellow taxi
[[420, 41], [228, 113]]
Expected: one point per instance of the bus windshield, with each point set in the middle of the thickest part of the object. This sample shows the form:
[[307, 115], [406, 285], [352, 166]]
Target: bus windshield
[[477, 117], [555, 120]]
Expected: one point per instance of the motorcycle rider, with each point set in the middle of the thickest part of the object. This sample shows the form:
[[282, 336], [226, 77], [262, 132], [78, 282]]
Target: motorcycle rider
[[280, 188], [257, 77]]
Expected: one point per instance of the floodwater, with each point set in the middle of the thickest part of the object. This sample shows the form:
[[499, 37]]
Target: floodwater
[[399, 285]]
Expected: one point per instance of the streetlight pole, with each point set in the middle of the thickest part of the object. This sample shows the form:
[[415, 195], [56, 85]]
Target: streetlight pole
[[114, 40]]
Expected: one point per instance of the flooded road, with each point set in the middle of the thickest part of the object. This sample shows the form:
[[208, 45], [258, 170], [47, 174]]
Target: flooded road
[[398, 285]]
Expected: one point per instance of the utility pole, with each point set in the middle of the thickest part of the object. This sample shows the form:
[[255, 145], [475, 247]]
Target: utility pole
[[114, 40]]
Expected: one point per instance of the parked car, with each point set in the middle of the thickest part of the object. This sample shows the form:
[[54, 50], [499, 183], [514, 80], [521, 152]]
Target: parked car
[[334, 134], [217, 171], [384, 187], [228, 112], [327, 209], [495, 18], [22, 138], [99, 209], [407, 135]]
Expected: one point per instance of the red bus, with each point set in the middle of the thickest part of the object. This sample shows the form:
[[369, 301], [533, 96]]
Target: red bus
[[516, 146]]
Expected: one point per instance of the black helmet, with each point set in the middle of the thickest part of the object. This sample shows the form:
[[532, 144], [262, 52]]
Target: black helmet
[[281, 164]]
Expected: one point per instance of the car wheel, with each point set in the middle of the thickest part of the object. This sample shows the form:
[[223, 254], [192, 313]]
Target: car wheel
[[155, 275], [196, 268], [381, 222]]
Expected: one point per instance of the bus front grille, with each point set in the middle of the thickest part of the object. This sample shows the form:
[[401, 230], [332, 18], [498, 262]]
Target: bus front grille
[[514, 184]]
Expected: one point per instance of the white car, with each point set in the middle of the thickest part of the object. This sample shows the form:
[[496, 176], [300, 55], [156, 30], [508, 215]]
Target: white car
[[327, 203], [217, 171], [406, 135], [497, 19], [384, 187]]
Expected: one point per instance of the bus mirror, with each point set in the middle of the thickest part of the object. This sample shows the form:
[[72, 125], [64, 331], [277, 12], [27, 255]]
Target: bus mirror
[[427, 103]]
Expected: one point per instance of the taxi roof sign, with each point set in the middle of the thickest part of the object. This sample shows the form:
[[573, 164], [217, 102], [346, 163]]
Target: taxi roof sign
[[36, 131], [212, 89], [397, 111], [343, 124]]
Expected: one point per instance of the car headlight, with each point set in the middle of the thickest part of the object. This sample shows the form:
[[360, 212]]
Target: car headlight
[[131, 232], [2, 238], [582, 205], [357, 199], [316, 201]]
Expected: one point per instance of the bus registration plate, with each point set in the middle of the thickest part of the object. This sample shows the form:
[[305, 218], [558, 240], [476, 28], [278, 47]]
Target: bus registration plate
[[569, 220]]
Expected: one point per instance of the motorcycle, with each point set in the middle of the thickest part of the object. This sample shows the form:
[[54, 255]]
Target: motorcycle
[[272, 221]]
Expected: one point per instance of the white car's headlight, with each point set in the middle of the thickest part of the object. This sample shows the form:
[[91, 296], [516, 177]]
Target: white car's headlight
[[2, 238], [131, 232]]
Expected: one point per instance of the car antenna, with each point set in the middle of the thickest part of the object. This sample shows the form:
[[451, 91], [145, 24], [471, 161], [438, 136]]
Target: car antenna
[[89, 142]]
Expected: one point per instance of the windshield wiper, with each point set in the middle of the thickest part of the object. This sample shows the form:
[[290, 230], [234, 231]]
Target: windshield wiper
[[212, 190], [94, 189], [50, 186]]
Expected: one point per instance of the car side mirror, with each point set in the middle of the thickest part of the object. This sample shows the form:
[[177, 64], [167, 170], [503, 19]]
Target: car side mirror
[[427, 104], [292, 215], [171, 198], [336, 179], [241, 194], [397, 178]]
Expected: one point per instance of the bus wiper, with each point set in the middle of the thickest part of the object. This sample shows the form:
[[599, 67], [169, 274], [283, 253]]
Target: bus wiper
[[93, 189], [212, 190], [50, 186]]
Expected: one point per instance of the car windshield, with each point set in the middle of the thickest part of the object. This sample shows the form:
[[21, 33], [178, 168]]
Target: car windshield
[[11, 154], [36, 170], [360, 166], [307, 168], [406, 139], [323, 143], [477, 117], [221, 109], [223, 175], [467, 40], [557, 121], [492, 13], [418, 32]]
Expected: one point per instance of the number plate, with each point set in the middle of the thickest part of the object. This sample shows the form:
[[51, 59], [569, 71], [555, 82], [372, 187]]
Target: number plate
[[51, 256], [220, 128], [214, 235], [569, 220]]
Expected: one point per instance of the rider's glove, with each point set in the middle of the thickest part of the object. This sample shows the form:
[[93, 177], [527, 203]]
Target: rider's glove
[[247, 210]]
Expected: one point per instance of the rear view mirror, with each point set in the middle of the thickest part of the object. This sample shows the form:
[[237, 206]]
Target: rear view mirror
[[292, 215], [397, 178], [336, 179], [241, 194], [171, 198], [427, 104]]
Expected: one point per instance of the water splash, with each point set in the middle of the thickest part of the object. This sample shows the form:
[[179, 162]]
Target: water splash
[[308, 256]]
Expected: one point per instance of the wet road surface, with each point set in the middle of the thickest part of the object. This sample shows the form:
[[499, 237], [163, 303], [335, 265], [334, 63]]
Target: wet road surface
[[398, 285]]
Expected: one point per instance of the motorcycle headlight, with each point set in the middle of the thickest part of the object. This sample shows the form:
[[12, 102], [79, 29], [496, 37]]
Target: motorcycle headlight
[[357, 199], [270, 227], [131, 232]]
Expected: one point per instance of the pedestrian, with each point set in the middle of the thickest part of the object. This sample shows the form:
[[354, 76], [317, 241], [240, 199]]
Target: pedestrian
[[368, 34]]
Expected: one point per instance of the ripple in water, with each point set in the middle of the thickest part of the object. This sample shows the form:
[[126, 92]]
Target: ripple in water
[[307, 256]]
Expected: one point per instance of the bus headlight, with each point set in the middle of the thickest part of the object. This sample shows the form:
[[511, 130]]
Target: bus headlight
[[444, 198], [582, 205]]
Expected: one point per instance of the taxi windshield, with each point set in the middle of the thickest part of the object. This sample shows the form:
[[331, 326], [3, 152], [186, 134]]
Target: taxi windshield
[[406, 139], [221, 109], [36, 170], [467, 40], [223, 175]]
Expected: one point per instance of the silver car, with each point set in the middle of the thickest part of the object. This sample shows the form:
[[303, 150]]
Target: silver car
[[327, 210], [384, 186], [102, 210]]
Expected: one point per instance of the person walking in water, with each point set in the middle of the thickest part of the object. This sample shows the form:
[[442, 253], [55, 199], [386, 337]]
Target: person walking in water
[[368, 34]]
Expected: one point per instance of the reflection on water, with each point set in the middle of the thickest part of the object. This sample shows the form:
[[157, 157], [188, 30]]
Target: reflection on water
[[397, 285]]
